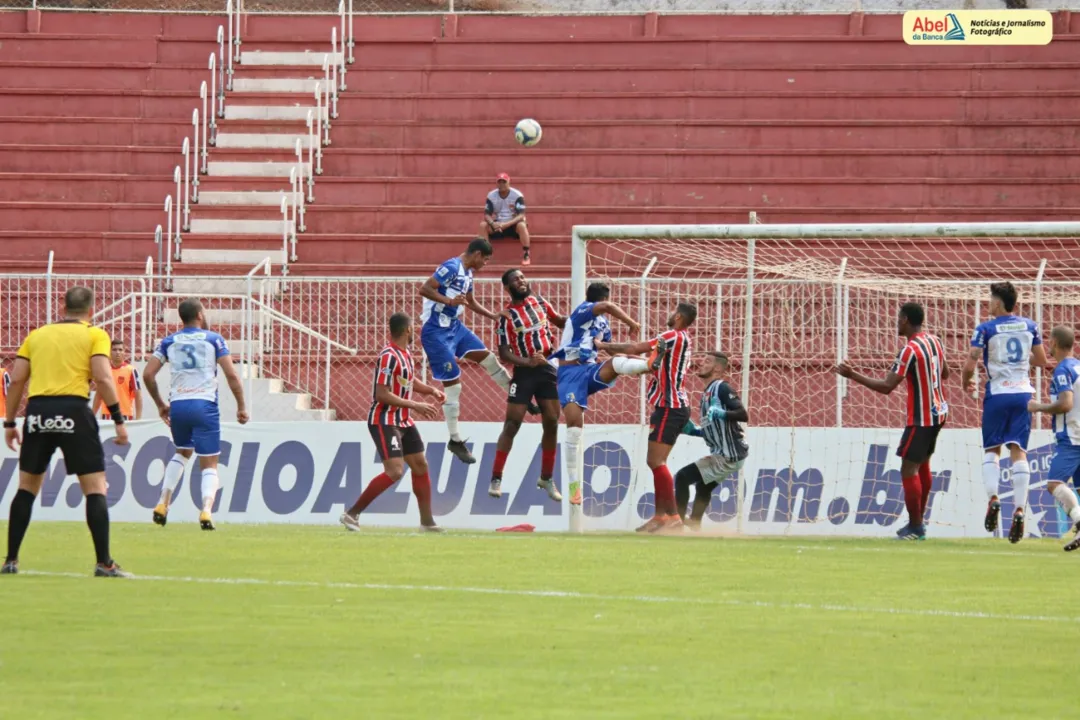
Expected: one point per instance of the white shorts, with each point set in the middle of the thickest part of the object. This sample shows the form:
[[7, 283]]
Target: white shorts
[[717, 468]]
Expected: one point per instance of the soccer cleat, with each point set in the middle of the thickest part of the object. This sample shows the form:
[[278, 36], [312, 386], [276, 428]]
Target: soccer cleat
[[111, 570], [431, 529], [460, 451], [993, 510], [350, 522], [656, 359], [11, 567], [908, 532], [673, 524], [920, 532], [548, 486], [1016, 532], [692, 525], [161, 514], [652, 525], [1075, 542], [206, 521], [495, 487], [525, 261]]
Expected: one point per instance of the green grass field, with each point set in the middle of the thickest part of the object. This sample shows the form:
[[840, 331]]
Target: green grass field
[[302, 622]]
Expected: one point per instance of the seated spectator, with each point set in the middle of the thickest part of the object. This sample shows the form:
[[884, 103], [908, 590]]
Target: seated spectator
[[504, 216]]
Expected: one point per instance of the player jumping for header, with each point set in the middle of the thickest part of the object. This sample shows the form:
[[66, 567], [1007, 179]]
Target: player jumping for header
[[446, 339], [580, 375], [1065, 465], [922, 362], [721, 414], [1008, 345], [525, 342], [392, 428]]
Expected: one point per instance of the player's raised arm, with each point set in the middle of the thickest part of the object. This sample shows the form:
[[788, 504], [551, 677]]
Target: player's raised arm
[[885, 386], [618, 313], [553, 316]]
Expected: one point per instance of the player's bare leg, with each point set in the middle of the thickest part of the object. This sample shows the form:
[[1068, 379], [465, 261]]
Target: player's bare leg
[[666, 516], [515, 414], [1021, 480], [549, 411], [208, 464], [393, 470], [1067, 499], [914, 530], [174, 473], [421, 487], [702, 497]]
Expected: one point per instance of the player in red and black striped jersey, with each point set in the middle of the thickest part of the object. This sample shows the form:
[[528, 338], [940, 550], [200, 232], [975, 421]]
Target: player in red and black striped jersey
[[524, 340], [390, 422], [922, 362], [671, 408]]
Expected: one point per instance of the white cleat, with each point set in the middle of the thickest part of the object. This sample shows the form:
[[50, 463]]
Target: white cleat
[[495, 488], [352, 524], [548, 486]]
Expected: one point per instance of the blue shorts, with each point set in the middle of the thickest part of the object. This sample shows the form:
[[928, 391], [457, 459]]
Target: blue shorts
[[1065, 465], [1006, 420], [578, 382], [196, 426], [445, 346]]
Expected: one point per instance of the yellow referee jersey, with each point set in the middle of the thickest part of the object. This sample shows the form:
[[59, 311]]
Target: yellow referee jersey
[[59, 356]]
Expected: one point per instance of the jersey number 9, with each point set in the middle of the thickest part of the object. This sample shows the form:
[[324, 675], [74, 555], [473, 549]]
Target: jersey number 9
[[1014, 350]]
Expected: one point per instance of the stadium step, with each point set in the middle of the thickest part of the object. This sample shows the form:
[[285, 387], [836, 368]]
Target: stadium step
[[267, 168], [237, 226], [297, 112], [270, 198], [277, 85], [227, 140], [304, 58]]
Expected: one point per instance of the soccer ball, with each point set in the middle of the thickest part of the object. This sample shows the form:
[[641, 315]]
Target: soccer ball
[[528, 132]]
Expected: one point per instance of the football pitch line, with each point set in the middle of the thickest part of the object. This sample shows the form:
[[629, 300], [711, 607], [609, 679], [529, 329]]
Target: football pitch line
[[571, 595]]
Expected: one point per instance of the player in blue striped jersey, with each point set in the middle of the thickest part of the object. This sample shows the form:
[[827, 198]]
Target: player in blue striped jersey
[[1065, 465], [581, 375], [721, 414], [1008, 345]]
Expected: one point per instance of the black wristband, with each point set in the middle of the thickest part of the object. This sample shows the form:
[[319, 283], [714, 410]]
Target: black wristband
[[117, 416], [9, 424]]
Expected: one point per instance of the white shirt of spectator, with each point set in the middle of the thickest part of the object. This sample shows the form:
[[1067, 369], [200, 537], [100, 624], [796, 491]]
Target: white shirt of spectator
[[504, 208]]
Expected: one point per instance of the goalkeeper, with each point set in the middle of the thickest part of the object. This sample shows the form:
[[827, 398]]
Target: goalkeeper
[[722, 413]]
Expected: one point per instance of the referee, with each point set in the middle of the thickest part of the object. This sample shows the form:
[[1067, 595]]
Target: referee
[[59, 361]]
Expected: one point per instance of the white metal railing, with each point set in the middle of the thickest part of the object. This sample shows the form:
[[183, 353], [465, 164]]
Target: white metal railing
[[314, 151], [185, 150], [330, 82], [221, 69], [334, 52], [177, 178]]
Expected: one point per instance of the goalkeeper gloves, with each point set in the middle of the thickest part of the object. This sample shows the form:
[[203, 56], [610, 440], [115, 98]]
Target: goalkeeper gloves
[[691, 429], [717, 412]]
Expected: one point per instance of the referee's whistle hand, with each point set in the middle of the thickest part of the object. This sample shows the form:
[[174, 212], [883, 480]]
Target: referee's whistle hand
[[12, 437]]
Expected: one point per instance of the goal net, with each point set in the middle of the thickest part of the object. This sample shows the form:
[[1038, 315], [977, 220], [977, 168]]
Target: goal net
[[786, 303]]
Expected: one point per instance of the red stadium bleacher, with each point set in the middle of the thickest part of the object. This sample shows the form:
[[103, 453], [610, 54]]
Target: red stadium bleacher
[[647, 119]]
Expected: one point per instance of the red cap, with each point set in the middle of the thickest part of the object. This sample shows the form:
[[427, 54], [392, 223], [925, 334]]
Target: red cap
[[503, 176]]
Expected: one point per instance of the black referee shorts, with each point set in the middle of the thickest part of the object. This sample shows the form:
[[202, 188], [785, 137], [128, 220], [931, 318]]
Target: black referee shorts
[[65, 423]]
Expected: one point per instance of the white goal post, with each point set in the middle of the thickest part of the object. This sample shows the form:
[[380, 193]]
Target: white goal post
[[785, 303]]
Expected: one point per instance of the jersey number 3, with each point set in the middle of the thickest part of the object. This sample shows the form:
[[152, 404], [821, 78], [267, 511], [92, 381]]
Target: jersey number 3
[[190, 362]]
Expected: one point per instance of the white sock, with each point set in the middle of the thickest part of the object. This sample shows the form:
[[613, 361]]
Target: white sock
[[452, 409], [991, 474], [629, 366], [573, 447], [209, 488], [1064, 495], [496, 371], [174, 471], [1021, 478]]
